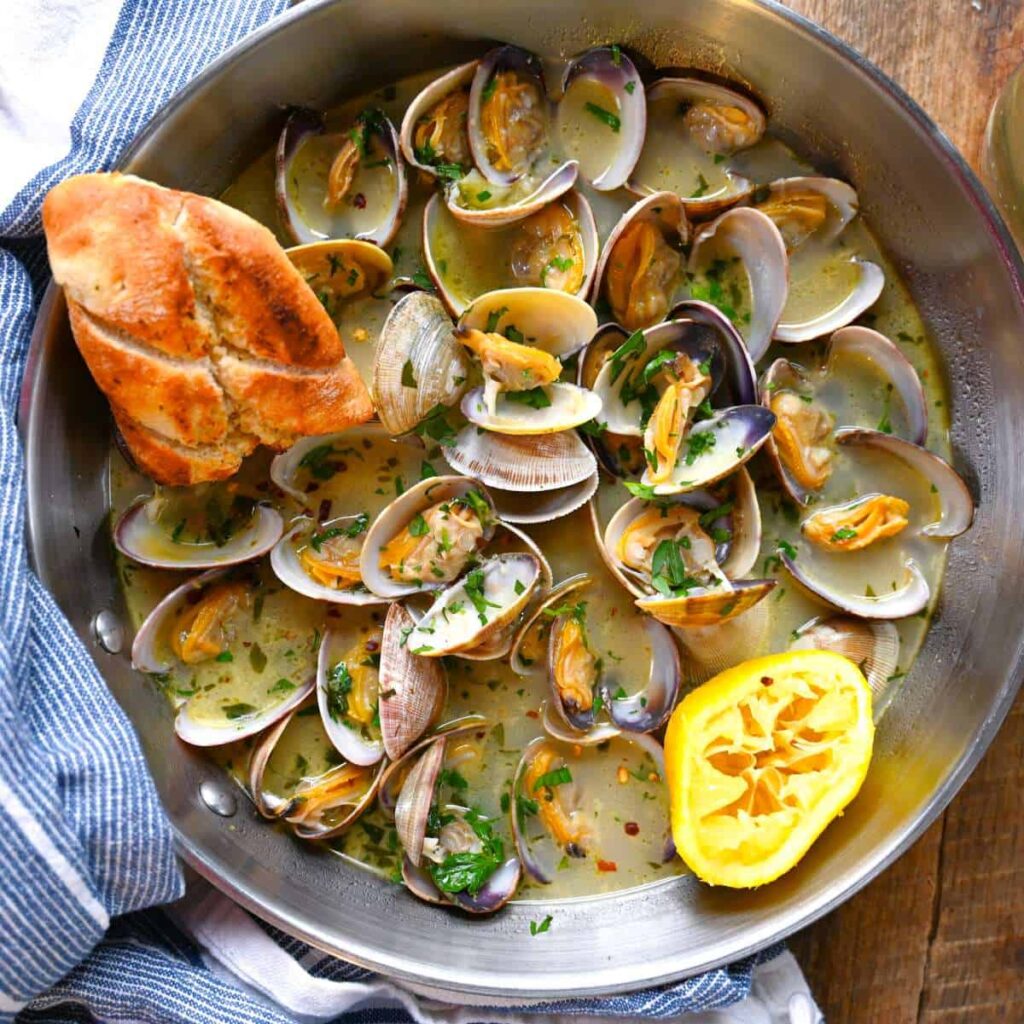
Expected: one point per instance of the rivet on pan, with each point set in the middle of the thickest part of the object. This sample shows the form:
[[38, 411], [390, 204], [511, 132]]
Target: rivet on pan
[[108, 631], [220, 800]]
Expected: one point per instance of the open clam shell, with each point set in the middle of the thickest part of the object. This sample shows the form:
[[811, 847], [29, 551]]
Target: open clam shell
[[748, 234], [320, 806], [649, 709], [863, 343], [841, 200], [737, 434], [555, 321], [413, 690], [473, 609], [417, 797], [419, 111], [399, 515], [201, 725], [532, 478], [545, 506], [379, 190], [397, 771], [521, 463], [738, 385], [673, 98], [454, 250], [506, 165], [602, 89], [909, 597], [567, 406], [873, 646], [730, 515], [864, 294], [141, 536], [622, 415], [342, 269], [539, 620], [955, 501], [286, 561], [357, 743], [644, 306], [417, 364], [465, 198]]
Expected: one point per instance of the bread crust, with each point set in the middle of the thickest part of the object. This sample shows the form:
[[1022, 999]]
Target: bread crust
[[195, 324]]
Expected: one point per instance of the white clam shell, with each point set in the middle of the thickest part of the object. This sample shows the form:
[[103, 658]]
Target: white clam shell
[[457, 303], [425, 101], [686, 90], [522, 463], [557, 322], [756, 241], [570, 406], [396, 516], [617, 72], [550, 188], [507, 582], [864, 294], [546, 506], [841, 197], [284, 560], [956, 503], [140, 539], [355, 748], [909, 598], [416, 338], [417, 687]]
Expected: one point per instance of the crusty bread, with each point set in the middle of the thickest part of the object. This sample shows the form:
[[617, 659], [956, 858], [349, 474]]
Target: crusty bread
[[196, 326]]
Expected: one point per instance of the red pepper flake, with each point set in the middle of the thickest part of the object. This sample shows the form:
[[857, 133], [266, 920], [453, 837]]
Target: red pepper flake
[[632, 828], [325, 510], [607, 865], [359, 201], [767, 680], [372, 646], [532, 714]]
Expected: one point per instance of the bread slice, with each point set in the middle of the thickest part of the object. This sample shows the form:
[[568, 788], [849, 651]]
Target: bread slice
[[196, 326]]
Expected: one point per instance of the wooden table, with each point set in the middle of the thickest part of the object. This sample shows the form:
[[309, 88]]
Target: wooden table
[[939, 937]]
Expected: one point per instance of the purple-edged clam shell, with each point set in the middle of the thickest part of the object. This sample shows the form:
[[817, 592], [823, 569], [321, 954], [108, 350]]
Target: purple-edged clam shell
[[499, 888], [528, 67], [649, 709], [617, 72]]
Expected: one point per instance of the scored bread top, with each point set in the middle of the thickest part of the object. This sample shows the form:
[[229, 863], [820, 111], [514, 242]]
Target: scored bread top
[[195, 324]]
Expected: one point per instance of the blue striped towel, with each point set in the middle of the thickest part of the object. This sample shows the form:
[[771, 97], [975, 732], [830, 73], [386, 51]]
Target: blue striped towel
[[84, 845]]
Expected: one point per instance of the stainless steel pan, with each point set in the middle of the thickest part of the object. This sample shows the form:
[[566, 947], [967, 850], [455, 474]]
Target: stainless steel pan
[[939, 227]]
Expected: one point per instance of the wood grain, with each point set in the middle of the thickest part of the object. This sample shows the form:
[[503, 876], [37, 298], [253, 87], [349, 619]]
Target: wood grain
[[939, 937]]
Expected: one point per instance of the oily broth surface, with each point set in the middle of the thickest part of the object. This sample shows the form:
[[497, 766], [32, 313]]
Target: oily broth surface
[[289, 625]]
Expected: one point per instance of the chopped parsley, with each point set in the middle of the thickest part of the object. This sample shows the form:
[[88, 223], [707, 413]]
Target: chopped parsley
[[632, 347], [535, 398], [408, 375], [606, 116], [698, 444], [493, 318], [468, 871], [336, 690], [558, 777], [474, 587], [539, 928], [419, 526], [225, 656], [239, 710], [843, 533]]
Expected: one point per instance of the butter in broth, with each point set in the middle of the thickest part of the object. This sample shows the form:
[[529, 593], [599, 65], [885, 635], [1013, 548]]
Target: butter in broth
[[625, 797]]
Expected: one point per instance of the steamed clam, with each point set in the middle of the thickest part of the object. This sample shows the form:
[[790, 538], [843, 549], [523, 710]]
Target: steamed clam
[[921, 499], [829, 287], [452, 853], [640, 263], [694, 127], [426, 538], [738, 263], [349, 184], [552, 246], [806, 405], [196, 626], [315, 791], [659, 385]]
